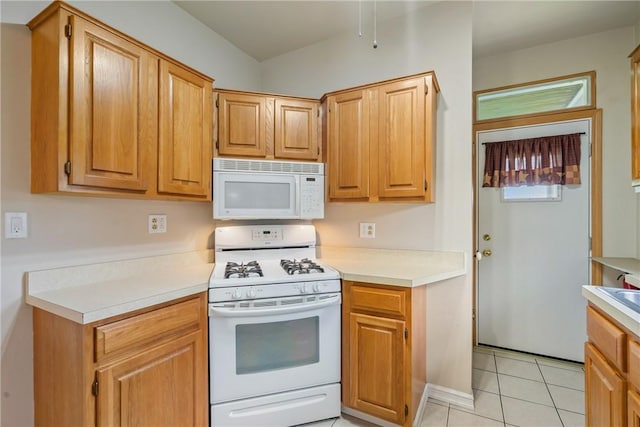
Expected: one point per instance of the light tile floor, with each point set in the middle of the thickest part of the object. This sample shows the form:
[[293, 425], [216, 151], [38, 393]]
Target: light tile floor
[[510, 389]]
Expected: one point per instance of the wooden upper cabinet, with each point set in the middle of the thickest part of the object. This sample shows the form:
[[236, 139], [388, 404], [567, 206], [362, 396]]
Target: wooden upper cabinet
[[381, 140], [111, 137], [96, 113], [635, 117], [185, 143], [348, 152], [296, 129], [258, 125], [242, 124], [401, 136]]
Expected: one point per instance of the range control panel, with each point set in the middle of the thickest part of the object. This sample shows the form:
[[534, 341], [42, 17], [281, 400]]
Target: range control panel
[[266, 234]]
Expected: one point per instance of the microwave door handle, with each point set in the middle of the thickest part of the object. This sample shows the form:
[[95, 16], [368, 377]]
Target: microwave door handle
[[251, 312]]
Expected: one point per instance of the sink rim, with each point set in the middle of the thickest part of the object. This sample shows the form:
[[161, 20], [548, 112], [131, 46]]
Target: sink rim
[[616, 293]]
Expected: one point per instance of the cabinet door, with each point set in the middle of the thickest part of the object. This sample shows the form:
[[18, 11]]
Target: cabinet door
[[113, 109], [166, 385], [185, 144], [635, 116], [296, 129], [633, 409], [377, 367], [401, 139], [348, 145], [242, 125], [605, 391]]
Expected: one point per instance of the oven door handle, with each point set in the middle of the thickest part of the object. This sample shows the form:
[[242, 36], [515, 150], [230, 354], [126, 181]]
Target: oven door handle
[[250, 312]]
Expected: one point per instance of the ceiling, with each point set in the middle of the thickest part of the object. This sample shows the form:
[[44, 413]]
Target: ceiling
[[265, 29]]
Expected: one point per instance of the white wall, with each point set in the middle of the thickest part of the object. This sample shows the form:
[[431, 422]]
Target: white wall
[[606, 53], [67, 230], [436, 37]]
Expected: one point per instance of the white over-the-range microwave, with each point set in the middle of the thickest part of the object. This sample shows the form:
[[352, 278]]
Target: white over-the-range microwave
[[267, 189]]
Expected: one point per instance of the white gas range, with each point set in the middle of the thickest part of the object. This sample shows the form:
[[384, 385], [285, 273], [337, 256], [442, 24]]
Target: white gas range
[[274, 328]]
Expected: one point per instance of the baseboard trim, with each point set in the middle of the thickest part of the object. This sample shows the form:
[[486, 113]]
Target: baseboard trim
[[367, 417], [421, 407], [450, 395]]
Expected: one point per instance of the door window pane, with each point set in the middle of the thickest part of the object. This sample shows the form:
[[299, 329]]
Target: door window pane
[[277, 345], [533, 193]]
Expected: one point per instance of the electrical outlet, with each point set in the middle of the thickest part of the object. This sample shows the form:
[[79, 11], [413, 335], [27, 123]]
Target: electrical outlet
[[157, 224], [367, 230], [15, 225]]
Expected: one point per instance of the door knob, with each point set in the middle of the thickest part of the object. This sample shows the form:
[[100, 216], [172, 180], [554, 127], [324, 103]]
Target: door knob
[[486, 252]]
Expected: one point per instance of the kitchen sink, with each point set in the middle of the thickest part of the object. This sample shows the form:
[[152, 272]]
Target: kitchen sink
[[628, 297]]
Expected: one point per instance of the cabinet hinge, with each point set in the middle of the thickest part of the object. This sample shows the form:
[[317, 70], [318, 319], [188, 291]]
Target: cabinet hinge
[[406, 334], [426, 185], [318, 151], [95, 387], [590, 149], [67, 168], [406, 410], [426, 87], [217, 103], [217, 145], [67, 31]]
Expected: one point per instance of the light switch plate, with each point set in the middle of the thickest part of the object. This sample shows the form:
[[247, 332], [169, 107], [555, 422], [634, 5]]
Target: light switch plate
[[15, 225]]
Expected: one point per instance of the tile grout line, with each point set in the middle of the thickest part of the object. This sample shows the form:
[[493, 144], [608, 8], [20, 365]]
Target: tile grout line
[[504, 419], [549, 391]]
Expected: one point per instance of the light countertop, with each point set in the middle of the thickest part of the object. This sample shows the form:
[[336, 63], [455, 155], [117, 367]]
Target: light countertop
[[409, 268], [629, 318], [89, 293]]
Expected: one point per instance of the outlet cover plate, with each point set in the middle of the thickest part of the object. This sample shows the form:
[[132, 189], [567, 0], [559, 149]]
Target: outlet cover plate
[[157, 223], [15, 225], [367, 230]]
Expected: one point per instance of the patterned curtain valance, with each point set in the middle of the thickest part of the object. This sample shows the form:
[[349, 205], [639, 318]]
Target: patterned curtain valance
[[546, 160]]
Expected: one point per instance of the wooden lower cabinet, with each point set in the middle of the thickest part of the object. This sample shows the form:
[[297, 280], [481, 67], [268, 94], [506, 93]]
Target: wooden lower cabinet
[[605, 390], [146, 368], [612, 372], [384, 350], [377, 366], [633, 409]]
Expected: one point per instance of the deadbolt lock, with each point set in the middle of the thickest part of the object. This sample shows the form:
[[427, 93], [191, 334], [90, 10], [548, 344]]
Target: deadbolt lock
[[486, 252]]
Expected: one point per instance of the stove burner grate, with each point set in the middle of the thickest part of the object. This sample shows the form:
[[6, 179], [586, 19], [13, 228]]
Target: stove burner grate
[[303, 266], [250, 269]]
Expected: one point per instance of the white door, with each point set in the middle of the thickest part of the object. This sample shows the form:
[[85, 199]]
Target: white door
[[529, 289]]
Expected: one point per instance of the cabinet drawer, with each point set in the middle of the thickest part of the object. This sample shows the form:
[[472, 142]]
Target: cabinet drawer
[[609, 338], [152, 328], [383, 301], [634, 363]]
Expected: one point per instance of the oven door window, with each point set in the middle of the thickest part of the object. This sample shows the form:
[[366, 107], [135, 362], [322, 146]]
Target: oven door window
[[277, 345]]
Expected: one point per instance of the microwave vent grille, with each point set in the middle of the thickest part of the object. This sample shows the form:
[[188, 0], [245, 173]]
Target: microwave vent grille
[[239, 165]]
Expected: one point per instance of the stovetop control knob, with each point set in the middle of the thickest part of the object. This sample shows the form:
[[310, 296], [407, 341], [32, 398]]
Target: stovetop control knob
[[236, 294], [316, 287], [303, 288], [251, 293]]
